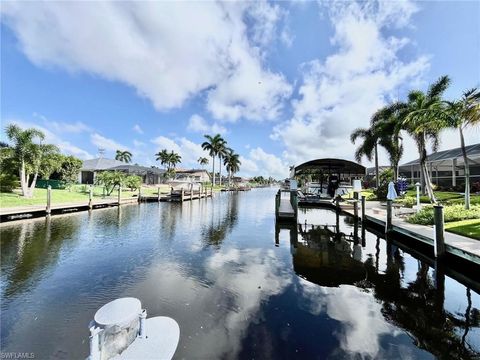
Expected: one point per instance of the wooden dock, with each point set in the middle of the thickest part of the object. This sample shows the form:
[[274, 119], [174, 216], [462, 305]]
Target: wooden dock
[[286, 209], [456, 245], [187, 195]]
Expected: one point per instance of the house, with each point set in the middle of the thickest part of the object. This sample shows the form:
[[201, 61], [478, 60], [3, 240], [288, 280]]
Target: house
[[149, 175], [90, 167], [193, 175]]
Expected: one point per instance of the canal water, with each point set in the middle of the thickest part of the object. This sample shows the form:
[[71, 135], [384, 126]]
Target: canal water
[[238, 286]]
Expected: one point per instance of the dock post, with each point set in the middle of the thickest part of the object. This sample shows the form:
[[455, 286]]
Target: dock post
[[158, 195], [355, 210], [119, 194], [417, 185], [90, 197], [191, 191], [182, 193], [439, 231], [49, 200], [94, 342], [389, 216], [363, 208], [337, 203], [140, 193]]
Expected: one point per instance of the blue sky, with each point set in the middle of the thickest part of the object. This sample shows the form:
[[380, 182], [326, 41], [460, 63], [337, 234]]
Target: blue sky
[[283, 82]]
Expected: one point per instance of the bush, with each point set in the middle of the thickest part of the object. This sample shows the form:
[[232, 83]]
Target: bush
[[133, 182], [385, 177], [451, 212], [8, 182], [407, 201]]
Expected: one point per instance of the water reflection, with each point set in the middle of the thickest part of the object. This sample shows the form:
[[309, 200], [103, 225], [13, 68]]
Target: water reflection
[[223, 218], [328, 257]]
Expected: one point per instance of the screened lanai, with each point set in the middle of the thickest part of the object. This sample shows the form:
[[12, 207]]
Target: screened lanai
[[446, 167]]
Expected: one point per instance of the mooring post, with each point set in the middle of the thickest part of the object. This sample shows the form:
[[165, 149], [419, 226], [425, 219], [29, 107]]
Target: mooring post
[[389, 216], [417, 185], [158, 195], [337, 203], [355, 210], [140, 193], [142, 330], [363, 208], [191, 191], [182, 192], [439, 231], [94, 342], [119, 194], [49, 200], [90, 197]]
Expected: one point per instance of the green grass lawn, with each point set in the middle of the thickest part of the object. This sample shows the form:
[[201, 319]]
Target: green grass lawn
[[78, 193], [469, 228]]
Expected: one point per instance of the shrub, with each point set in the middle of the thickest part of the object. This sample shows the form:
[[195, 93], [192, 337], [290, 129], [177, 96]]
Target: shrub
[[385, 177], [451, 213], [8, 182], [133, 182], [408, 201]]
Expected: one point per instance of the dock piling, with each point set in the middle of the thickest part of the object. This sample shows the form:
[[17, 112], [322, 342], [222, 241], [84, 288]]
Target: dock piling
[[158, 195], [49, 200], [140, 193], [355, 210], [363, 208], [90, 197], [439, 231], [119, 194], [389, 216]]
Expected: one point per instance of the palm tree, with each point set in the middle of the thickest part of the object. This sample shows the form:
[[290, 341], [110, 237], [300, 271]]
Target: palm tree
[[385, 123], [213, 145], [163, 157], [368, 148], [124, 156], [419, 115], [28, 154], [173, 160], [202, 161], [461, 114], [222, 152], [232, 163]]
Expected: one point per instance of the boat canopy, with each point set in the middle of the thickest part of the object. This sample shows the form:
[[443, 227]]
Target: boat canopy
[[330, 166]]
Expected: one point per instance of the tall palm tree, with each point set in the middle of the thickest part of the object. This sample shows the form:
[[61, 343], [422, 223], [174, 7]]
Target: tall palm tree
[[222, 152], [461, 114], [213, 145], [174, 159], [28, 152], [202, 161], [123, 156], [232, 163], [385, 124], [368, 148], [419, 115], [163, 157]]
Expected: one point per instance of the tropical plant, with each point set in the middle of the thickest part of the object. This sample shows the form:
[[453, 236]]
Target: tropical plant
[[418, 117], [50, 165], [368, 148], [163, 157], [232, 163], [202, 161], [69, 169], [123, 156], [133, 182], [214, 145], [110, 180], [461, 114], [28, 152]]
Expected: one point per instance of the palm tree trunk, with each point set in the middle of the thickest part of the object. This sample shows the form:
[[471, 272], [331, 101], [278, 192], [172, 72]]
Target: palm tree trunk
[[426, 176], [23, 181], [213, 170], [220, 171], [377, 175], [466, 169]]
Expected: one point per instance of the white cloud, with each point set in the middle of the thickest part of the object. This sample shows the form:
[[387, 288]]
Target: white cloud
[[51, 138], [262, 163], [343, 91], [106, 143], [63, 127], [196, 123], [168, 51], [138, 129]]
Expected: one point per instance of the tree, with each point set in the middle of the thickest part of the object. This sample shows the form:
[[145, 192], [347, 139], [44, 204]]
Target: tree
[[50, 164], [174, 159], [418, 117], [368, 148], [222, 152], [110, 180], [232, 163], [202, 161], [461, 114], [133, 182], [213, 145], [124, 156], [170, 160], [28, 152], [69, 169], [163, 157]]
